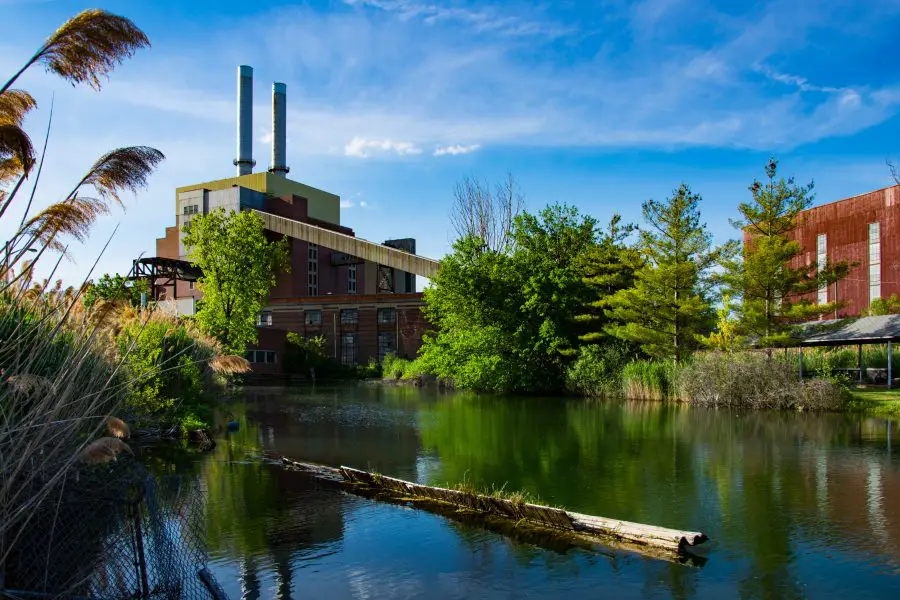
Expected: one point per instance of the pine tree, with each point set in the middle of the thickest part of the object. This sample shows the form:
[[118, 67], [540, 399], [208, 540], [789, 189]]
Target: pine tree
[[764, 279], [667, 308], [608, 267]]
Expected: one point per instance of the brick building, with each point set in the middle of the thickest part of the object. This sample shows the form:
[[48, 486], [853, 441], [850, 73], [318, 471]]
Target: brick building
[[361, 296], [863, 229]]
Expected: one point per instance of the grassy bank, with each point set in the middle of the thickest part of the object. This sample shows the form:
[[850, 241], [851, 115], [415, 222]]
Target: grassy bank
[[875, 401]]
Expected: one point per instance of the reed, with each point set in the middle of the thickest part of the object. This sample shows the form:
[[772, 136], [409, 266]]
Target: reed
[[649, 380]]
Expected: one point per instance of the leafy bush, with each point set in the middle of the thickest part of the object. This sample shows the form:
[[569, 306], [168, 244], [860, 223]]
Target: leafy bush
[[754, 380], [393, 367], [884, 306], [167, 363], [115, 289], [301, 354], [649, 380], [598, 370]]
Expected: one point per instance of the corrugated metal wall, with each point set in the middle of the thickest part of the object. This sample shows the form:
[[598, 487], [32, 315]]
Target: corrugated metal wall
[[845, 224]]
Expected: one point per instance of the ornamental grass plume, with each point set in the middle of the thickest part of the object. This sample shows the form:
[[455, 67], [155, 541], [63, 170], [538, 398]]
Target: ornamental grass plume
[[230, 365], [87, 47]]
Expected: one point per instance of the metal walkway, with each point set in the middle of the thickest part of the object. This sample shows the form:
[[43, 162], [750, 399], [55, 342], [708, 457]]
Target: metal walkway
[[354, 246]]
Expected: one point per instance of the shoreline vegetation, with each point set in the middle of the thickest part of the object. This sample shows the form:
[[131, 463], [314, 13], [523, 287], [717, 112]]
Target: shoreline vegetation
[[552, 303], [83, 370], [744, 380]]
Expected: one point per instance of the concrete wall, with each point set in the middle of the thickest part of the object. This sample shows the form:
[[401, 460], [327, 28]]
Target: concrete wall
[[845, 224]]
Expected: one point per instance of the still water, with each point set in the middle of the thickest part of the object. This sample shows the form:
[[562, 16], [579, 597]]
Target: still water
[[795, 505]]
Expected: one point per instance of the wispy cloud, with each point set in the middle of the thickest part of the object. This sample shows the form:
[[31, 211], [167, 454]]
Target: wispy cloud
[[482, 20], [801, 83], [456, 149], [363, 148]]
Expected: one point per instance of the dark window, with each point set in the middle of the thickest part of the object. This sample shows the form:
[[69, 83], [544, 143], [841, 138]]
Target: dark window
[[387, 344], [349, 315], [264, 319], [410, 282], [314, 317], [387, 315], [260, 357], [348, 349]]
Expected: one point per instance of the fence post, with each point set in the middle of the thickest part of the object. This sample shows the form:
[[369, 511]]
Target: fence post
[[859, 363], [139, 540], [890, 365]]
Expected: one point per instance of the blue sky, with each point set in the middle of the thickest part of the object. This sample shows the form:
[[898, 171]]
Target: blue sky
[[599, 104]]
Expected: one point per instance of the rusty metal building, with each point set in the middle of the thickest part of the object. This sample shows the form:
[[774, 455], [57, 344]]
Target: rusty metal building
[[864, 230]]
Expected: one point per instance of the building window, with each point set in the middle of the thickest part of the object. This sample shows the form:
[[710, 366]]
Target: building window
[[351, 279], [348, 349], [874, 261], [410, 283], [312, 284], [313, 317], [260, 357], [349, 316], [387, 315], [191, 285], [264, 319], [821, 262], [387, 344], [191, 209]]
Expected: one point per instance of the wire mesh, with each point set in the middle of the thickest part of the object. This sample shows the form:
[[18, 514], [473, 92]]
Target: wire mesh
[[114, 531]]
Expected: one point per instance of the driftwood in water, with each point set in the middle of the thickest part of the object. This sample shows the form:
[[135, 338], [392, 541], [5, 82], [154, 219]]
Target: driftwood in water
[[574, 528]]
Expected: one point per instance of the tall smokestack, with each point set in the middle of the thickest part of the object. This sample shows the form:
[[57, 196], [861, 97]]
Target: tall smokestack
[[279, 130], [244, 161]]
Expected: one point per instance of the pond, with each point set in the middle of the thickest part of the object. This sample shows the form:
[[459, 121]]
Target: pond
[[795, 505]]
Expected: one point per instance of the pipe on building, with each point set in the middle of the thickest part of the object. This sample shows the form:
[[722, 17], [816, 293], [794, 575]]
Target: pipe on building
[[279, 130], [244, 161]]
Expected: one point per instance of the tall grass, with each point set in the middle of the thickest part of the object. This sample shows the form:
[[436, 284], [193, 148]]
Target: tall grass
[[60, 375], [397, 369], [649, 380], [755, 380], [818, 360]]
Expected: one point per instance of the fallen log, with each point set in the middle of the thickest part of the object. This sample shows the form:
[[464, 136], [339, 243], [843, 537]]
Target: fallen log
[[575, 529]]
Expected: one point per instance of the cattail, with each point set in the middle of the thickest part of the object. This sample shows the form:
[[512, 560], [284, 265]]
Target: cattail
[[118, 428]]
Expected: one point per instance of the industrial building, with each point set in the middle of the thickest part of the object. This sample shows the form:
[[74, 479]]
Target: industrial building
[[863, 230], [360, 295]]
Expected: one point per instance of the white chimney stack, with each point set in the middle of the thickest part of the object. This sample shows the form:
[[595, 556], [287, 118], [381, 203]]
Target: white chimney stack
[[279, 130], [244, 161]]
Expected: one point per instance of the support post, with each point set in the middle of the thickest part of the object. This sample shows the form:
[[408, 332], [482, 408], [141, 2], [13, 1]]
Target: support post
[[890, 364], [800, 348], [859, 365]]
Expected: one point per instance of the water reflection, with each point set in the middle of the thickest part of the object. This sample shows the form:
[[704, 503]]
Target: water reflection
[[797, 505]]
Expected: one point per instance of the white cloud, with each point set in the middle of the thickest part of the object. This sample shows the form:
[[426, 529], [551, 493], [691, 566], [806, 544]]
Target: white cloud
[[456, 149], [347, 203], [362, 147], [510, 25], [363, 204]]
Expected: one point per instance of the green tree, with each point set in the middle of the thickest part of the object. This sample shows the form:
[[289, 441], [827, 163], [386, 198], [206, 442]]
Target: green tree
[[608, 267], [239, 265], [763, 277], [668, 306], [503, 319], [115, 288]]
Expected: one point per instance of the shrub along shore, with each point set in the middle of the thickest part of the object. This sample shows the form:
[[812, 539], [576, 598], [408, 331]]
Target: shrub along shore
[[746, 380]]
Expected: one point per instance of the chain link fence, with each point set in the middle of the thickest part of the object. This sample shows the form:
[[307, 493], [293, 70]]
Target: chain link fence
[[114, 531]]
